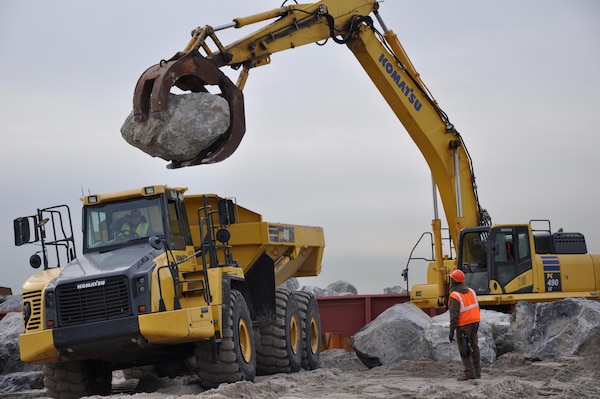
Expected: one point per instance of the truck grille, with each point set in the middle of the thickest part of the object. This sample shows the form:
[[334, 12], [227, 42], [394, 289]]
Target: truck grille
[[91, 301]]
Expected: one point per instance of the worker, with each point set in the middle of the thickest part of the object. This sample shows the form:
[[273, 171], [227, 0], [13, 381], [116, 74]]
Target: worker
[[137, 226], [464, 319]]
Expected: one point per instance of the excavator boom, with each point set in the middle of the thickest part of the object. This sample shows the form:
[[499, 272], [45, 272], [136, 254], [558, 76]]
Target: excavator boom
[[346, 22], [504, 263]]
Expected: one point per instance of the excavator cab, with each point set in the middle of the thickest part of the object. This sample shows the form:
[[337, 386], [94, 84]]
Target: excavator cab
[[496, 260]]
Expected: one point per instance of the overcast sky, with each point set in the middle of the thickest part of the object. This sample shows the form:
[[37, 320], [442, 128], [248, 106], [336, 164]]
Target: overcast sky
[[519, 79]]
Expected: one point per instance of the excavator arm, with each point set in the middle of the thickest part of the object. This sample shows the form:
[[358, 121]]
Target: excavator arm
[[346, 22]]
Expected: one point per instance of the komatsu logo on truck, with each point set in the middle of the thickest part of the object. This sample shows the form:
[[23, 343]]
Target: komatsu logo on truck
[[91, 284], [408, 91]]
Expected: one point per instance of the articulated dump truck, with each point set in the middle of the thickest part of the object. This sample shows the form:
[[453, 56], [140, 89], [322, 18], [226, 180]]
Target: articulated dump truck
[[167, 283]]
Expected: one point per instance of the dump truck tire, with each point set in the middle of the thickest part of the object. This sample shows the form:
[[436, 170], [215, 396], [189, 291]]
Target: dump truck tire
[[311, 329], [76, 379], [237, 361], [280, 349]]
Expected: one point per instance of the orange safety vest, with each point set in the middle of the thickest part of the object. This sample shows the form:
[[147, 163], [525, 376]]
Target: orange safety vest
[[469, 307]]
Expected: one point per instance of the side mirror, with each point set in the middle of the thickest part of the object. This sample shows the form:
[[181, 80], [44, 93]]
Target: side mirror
[[156, 242], [226, 211], [22, 227]]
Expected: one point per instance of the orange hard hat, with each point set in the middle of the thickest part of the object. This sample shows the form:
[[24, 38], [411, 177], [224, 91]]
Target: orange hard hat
[[458, 276]]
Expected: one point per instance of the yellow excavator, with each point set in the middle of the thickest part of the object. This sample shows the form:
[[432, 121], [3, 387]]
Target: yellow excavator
[[504, 263]]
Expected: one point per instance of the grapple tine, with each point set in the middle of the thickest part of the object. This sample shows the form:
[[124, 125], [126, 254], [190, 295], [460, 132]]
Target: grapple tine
[[190, 72]]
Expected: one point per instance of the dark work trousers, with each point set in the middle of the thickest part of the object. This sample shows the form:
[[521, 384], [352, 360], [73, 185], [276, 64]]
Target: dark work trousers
[[470, 357]]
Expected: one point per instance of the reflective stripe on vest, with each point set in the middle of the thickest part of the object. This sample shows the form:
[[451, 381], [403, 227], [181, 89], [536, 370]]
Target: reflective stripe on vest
[[469, 307], [142, 229]]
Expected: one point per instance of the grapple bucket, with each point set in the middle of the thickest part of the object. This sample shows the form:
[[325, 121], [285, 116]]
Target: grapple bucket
[[190, 72]]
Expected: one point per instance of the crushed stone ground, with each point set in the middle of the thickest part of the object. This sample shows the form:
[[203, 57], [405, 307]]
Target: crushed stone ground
[[343, 376]]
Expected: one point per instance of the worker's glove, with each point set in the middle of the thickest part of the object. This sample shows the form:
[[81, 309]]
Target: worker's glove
[[451, 336]]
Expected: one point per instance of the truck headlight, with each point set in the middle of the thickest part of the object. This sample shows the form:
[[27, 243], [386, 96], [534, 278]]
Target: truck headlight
[[50, 299]]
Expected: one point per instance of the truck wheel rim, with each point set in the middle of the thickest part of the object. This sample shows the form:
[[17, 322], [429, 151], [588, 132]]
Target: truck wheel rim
[[245, 342], [294, 334], [313, 335]]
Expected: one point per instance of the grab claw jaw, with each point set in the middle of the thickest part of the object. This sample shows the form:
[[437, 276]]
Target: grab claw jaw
[[190, 72]]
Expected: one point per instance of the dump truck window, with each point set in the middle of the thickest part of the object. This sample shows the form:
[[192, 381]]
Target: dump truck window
[[97, 231], [175, 231], [111, 223]]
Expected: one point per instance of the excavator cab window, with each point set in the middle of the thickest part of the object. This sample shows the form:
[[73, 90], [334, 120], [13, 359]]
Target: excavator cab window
[[504, 257], [495, 259], [473, 260], [512, 256]]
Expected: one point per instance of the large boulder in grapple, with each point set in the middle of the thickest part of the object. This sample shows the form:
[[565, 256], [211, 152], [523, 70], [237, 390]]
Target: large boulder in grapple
[[191, 123]]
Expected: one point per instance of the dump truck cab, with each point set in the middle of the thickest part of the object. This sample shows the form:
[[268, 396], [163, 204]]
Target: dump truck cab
[[165, 277], [120, 278], [113, 221]]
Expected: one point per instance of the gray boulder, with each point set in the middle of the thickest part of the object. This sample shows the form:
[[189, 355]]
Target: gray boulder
[[21, 382], [15, 375], [395, 290], [437, 334], [342, 288], [316, 291], [10, 302], [547, 330], [501, 332], [192, 122], [399, 333], [10, 357], [535, 331], [405, 332], [291, 284]]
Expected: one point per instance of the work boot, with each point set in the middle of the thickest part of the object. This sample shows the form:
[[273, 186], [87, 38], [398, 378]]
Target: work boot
[[465, 377]]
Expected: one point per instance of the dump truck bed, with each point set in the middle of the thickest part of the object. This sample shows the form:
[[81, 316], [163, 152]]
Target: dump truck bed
[[297, 250]]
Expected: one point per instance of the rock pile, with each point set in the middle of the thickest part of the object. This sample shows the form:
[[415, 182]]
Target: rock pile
[[537, 331], [14, 374], [568, 327], [402, 332]]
